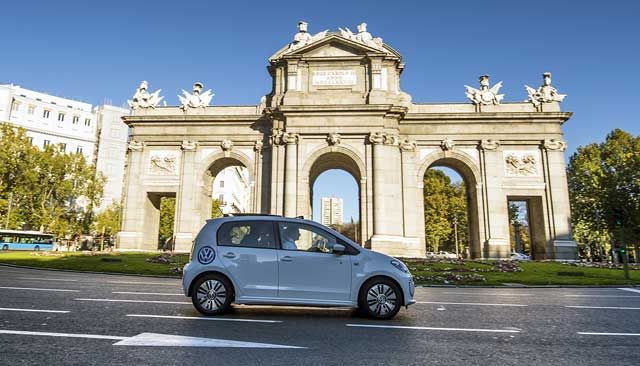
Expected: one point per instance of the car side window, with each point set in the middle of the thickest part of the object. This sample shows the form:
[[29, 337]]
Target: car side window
[[301, 237], [252, 234]]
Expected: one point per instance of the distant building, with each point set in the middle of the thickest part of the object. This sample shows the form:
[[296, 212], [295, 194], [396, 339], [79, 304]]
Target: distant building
[[48, 119], [99, 134], [112, 149], [331, 211], [231, 186]]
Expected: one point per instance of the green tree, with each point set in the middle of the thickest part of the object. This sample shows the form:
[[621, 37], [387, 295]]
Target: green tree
[[604, 182], [108, 220], [167, 219], [216, 208], [444, 203]]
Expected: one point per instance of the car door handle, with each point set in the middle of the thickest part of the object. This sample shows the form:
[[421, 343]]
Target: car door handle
[[229, 255], [286, 259]]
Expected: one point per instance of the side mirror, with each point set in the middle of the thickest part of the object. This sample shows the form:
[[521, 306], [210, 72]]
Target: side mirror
[[338, 249]]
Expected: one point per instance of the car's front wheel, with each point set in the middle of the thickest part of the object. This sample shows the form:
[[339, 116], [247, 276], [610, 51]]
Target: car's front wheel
[[212, 294], [5, 247], [380, 298]]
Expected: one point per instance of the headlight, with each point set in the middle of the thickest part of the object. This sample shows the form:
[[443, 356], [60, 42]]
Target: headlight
[[399, 265]]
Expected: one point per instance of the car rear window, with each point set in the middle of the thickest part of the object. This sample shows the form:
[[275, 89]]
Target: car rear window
[[252, 234]]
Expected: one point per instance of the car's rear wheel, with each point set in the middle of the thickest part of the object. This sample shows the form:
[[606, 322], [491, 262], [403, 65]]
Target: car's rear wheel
[[380, 298], [212, 294], [5, 247], [36, 248]]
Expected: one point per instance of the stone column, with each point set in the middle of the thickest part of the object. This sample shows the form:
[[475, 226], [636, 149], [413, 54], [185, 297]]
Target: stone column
[[388, 216], [494, 202], [131, 236], [412, 195], [563, 244], [291, 173], [187, 215]]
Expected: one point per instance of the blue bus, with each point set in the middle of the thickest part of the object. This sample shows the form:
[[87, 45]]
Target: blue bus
[[25, 240]]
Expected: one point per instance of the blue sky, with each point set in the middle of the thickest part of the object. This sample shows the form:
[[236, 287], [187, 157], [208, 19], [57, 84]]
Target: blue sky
[[96, 51]]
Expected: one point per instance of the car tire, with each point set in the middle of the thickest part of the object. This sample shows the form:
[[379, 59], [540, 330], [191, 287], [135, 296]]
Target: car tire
[[36, 248], [380, 298], [212, 294], [5, 247]]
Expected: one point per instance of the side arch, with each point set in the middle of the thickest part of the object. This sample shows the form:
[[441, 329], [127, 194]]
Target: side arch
[[470, 172]]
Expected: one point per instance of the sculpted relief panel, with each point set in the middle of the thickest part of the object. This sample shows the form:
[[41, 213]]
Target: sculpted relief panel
[[521, 163], [163, 163]]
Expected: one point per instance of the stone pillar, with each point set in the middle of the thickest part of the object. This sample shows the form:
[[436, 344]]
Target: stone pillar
[[388, 216], [494, 203], [412, 196], [188, 216], [291, 173], [564, 246], [131, 236]]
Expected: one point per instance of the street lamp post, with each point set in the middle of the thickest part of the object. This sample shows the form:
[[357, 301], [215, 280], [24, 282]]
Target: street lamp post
[[455, 234]]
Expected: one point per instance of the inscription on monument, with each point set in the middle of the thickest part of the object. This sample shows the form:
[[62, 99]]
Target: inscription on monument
[[333, 77]]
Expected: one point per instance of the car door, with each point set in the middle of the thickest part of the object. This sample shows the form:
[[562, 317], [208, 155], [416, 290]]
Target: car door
[[308, 269], [247, 249]]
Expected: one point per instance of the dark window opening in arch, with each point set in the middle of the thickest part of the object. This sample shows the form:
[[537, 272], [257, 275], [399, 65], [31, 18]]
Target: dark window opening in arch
[[336, 202]]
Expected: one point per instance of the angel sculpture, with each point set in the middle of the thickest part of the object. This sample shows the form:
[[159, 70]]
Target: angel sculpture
[[362, 36], [545, 93], [197, 99], [485, 95], [143, 99]]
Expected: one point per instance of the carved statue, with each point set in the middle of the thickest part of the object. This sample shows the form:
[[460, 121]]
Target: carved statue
[[524, 165], [303, 38], [163, 164], [485, 95], [362, 36], [447, 144], [408, 145], [188, 145], [333, 138], [226, 145], [545, 93], [553, 144], [136, 145], [143, 99], [377, 137], [490, 144], [197, 99]]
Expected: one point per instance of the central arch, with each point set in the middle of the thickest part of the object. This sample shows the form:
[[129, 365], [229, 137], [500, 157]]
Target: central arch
[[334, 157], [212, 166], [466, 167]]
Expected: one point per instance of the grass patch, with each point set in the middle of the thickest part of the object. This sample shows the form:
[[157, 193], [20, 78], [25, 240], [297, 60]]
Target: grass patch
[[525, 273], [130, 263]]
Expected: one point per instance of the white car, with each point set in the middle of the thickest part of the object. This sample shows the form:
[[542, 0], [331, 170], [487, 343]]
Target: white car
[[520, 257], [446, 255], [268, 259]]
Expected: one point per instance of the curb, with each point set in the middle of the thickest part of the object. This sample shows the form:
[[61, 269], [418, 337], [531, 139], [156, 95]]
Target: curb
[[423, 286], [92, 272]]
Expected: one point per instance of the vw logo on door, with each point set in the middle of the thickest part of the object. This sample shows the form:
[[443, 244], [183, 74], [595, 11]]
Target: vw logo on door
[[206, 255]]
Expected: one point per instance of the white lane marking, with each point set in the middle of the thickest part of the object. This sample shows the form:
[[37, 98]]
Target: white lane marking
[[432, 328], [616, 296], [202, 318], [610, 334], [167, 340], [467, 303], [136, 301], [38, 289], [154, 339], [47, 279], [140, 283], [68, 335], [35, 310], [481, 293], [146, 293], [601, 307], [629, 289]]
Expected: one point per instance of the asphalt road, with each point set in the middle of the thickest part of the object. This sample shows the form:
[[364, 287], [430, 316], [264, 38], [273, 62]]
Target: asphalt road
[[62, 318]]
